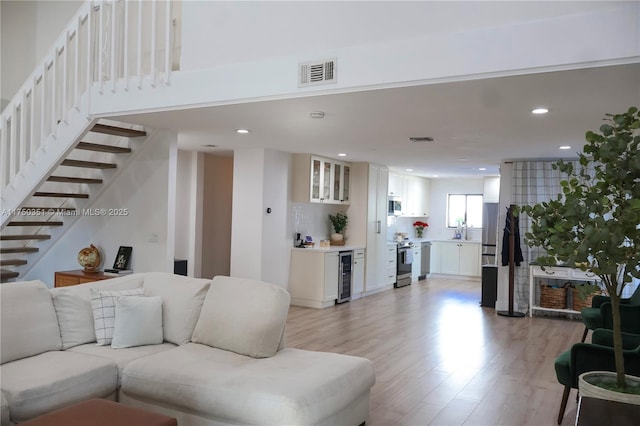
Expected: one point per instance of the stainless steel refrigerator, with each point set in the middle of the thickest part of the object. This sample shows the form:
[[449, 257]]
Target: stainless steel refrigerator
[[489, 233]]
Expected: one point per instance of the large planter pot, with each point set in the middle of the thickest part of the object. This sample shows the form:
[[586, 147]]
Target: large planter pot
[[588, 387]]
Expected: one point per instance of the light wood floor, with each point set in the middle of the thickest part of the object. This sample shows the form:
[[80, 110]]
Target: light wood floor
[[441, 359]]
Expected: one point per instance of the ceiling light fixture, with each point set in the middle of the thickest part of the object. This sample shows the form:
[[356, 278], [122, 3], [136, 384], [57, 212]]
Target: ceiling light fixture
[[316, 114], [342, 154], [540, 110], [409, 170], [242, 131], [565, 147], [435, 175], [482, 168]]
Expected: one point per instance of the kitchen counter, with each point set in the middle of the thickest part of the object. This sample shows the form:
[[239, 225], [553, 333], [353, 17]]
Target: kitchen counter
[[330, 249]]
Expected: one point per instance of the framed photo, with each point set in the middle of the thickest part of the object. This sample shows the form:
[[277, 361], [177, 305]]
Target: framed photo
[[123, 257]]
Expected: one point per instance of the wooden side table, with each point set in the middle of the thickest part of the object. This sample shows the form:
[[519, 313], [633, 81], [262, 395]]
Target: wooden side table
[[78, 276]]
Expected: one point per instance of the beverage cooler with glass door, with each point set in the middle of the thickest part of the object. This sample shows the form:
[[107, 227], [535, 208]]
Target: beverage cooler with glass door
[[345, 276]]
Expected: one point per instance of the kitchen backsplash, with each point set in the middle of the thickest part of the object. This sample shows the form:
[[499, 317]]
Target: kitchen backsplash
[[433, 232], [313, 219]]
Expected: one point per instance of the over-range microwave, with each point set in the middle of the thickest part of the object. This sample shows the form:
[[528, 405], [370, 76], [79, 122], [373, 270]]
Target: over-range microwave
[[395, 206]]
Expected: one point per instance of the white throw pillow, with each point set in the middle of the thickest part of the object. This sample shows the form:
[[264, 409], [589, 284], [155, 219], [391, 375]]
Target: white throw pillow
[[138, 321], [243, 316], [103, 304]]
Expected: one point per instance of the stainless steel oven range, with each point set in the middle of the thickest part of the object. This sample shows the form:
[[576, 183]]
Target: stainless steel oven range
[[404, 261]]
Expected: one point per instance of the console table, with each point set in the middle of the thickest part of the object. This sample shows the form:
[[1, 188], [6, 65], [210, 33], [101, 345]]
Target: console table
[[554, 273], [79, 276]]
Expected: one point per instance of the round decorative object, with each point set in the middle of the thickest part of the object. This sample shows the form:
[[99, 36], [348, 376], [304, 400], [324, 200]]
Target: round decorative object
[[89, 258]]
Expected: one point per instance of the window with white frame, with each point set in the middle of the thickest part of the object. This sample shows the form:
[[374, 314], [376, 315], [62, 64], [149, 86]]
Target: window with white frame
[[464, 209]]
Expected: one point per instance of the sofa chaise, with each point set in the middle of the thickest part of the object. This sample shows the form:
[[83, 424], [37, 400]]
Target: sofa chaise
[[218, 358]]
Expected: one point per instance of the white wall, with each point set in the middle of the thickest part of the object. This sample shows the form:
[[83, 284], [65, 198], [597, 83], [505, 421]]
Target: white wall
[[144, 189], [247, 213], [263, 30], [277, 230], [502, 301], [261, 242], [188, 213], [262, 60], [216, 215], [440, 188], [28, 29]]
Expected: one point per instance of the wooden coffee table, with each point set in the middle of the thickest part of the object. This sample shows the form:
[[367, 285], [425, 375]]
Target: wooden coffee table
[[101, 412]]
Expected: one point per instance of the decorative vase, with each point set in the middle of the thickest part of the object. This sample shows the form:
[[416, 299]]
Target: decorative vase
[[588, 387], [419, 232], [337, 239]]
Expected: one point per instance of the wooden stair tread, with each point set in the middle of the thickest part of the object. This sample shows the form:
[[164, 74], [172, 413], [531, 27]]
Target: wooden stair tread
[[88, 164], [103, 148], [19, 249], [35, 223], [25, 237], [118, 131], [69, 179], [5, 274], [12, 262], [60, 195]]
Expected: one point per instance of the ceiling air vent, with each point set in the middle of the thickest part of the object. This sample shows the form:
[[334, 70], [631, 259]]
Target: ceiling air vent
[[422, 139], [317, 72]]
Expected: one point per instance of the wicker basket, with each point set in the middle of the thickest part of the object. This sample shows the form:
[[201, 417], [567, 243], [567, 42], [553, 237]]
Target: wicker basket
[[552, 297], [578, 303]]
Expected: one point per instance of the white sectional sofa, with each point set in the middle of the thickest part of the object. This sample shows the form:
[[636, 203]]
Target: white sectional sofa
[[220, 358]]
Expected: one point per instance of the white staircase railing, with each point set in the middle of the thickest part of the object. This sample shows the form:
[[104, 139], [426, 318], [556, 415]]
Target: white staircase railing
[[114, 45]]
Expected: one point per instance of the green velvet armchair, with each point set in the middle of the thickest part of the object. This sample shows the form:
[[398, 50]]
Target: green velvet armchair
[[599, 314], [595, 356]]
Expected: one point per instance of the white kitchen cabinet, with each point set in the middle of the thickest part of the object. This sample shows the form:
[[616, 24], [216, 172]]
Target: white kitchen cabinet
[[391, 272], [396, 184], [436, 256], [417, 197], [413, 191], [321, 180], [377, 268], [459, 258], [357, 279], [417, 262], [313, 278]]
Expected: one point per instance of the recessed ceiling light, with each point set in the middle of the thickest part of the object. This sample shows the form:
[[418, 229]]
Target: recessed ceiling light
[[435, 175], [482, 168], [316, 114], [565, 147], [409, 170], [210, 146], [342, 154], [242, 131], [540, 110]]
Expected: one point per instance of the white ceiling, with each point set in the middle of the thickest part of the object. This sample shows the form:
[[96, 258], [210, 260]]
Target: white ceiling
[[475, 123]]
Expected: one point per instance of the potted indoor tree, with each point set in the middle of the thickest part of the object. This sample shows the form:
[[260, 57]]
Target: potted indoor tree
[[339, 222], [593, 224]]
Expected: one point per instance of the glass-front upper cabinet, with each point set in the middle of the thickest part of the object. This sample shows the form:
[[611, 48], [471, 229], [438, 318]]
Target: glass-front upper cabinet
[[329, 181]]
